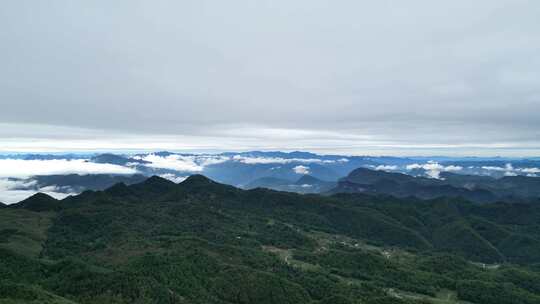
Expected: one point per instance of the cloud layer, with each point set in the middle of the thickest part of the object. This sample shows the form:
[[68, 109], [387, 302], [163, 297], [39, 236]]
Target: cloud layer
[[172, 162], [197, 163], [510, 170], [373, 78], [20, 168]]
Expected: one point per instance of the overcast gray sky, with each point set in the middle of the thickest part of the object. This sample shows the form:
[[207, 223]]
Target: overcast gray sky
[[357, 77]]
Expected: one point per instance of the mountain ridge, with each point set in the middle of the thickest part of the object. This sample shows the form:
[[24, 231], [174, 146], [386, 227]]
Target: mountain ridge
[[38, 202], [481, 189], [200, 241]]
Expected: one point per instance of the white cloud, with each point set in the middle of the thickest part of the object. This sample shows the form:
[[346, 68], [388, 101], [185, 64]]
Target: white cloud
[[507, 167], [453, 168], [386, 168], [20, 168], [509, 170], [188, 163], [301, 169], [434, 169], [530, 170], [208, 160], [510, 173], [173, 162], [413, 166]]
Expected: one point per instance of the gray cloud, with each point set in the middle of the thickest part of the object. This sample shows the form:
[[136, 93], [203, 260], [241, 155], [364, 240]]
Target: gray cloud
[[346, 76]]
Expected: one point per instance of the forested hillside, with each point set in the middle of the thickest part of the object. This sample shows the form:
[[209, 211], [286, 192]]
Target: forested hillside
[[204, 242]]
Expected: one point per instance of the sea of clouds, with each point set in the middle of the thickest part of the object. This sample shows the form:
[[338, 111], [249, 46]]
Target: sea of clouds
[[16, 174]]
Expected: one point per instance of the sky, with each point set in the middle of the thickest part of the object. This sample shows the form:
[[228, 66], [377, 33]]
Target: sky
[[352, 77]]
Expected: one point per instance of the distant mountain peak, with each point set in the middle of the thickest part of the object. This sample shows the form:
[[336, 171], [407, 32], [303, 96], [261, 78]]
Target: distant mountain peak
[[203, 185], [364, 180], [40, 196], [38, 202], [197, 179], [157, 180], [118, 189], [307, 179], [109, 158], [368, 176], [153, 184]]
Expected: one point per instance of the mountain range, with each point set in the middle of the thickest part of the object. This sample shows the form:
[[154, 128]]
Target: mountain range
[[478, 179], [481, 189], [200, 241]]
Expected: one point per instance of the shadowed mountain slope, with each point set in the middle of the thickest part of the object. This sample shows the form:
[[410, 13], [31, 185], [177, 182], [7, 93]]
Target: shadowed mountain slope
[[38, 202], [480, 189]]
